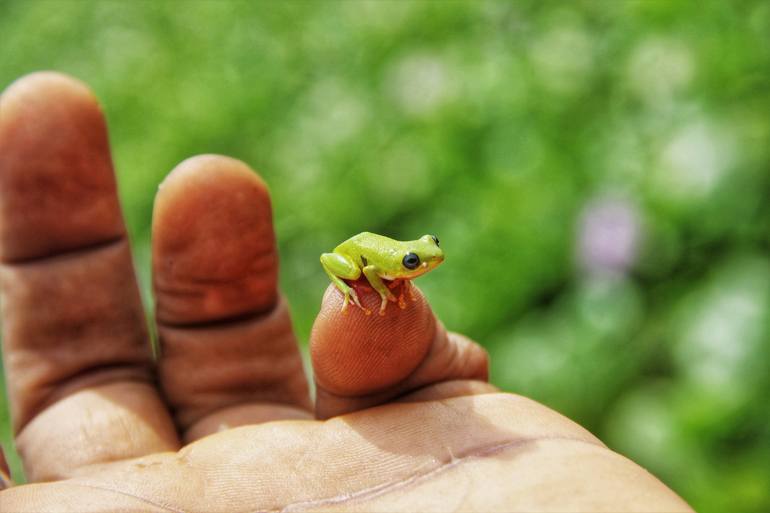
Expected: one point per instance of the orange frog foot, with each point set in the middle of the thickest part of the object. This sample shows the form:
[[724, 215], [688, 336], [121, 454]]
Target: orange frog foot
[[352, 297]]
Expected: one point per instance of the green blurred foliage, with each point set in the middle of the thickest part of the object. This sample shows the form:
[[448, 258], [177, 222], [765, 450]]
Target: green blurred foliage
[[533, 137]]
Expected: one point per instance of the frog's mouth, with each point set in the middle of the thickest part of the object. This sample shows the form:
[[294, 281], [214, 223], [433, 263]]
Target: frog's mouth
[[424, 267]]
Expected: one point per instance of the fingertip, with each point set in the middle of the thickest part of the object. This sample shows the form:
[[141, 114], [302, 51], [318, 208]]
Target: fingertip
[[355, 354], [40, 82], [214, 252], [208, 169], [54, 151]]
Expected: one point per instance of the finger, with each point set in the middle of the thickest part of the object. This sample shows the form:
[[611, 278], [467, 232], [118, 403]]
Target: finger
[[73, 323], [493, 452], [229, 355], [5, 472], [364, 360]]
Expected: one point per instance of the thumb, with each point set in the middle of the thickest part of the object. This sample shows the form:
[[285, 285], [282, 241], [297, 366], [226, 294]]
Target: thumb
[[362, 360]]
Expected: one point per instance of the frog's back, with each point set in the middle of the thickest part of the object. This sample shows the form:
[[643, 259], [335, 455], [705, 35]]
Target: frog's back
[[366, 243]]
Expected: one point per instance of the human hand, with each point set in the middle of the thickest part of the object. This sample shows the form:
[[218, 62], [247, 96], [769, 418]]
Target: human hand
[[224, 422]]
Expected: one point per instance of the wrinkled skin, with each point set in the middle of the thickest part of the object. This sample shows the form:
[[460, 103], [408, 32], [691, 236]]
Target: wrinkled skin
[[224, 421]]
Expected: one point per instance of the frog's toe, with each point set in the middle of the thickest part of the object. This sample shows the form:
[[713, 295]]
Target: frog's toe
[[354, 297], [401, 300], [384, 304], [410, 290]]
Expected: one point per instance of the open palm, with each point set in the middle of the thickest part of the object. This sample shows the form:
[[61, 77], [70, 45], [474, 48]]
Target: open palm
[[224, 420]]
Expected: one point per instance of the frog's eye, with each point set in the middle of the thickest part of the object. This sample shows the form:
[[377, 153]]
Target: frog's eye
[[435, 239], [411, 261]]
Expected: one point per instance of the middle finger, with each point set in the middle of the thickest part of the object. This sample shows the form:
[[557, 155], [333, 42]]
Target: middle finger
[[229, 355]]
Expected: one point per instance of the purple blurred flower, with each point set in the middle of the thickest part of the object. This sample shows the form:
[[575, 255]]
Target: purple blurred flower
[[608, 235]]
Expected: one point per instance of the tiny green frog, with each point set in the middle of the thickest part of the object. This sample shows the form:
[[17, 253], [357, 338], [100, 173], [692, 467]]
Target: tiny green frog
[[380, 258]]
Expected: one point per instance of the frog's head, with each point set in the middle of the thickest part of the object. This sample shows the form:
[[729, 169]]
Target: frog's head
[[423, 255]]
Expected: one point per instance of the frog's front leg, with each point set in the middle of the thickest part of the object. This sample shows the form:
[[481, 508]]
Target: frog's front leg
[[370, 271], [338, 267]]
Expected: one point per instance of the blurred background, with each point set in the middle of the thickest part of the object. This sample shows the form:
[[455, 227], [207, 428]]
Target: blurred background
[[597, 172]]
